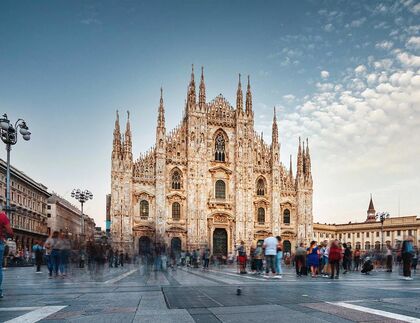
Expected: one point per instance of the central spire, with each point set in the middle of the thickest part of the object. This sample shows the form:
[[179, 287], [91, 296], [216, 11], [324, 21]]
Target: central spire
[[161, 111]]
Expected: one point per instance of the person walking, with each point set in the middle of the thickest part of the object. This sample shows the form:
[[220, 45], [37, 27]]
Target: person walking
[[242, 257], [37, 251], [206, 259], [279, 257], [258, 257], [313, 258], [347, 258], [52, 244], [5, 232], [65, 248], [407, 255], [415, 259], [388, 254], [334, 257], [300, 259], [270, 252], [356, 259]]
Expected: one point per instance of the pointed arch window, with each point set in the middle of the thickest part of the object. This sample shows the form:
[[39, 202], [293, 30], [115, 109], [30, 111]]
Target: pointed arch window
[[261, 216], [219, 148], [260, 187], [144, 209], [286, 216], [176, 211], [220, 189], [176, 180]]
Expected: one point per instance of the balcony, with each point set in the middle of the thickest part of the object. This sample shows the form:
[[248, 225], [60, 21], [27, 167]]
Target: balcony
[[215, 203]]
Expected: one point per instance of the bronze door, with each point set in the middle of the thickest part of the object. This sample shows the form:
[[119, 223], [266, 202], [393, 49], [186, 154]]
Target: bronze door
[[220, 242], [144, 246]]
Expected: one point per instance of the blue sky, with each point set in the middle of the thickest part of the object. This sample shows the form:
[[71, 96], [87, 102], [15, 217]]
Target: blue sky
[[343, 73]]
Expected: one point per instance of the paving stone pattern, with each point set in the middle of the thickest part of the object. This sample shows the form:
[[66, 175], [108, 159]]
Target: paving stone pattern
[[133, 294]]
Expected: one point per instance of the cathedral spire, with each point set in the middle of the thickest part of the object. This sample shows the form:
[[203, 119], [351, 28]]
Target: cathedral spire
[[299, 171], [307, 159], [116, 146], [291, 169], [239, 97], [371, 213], [275, 134], [191, 97], [161, 111], [127, 139], [248, 104], [202, 94]]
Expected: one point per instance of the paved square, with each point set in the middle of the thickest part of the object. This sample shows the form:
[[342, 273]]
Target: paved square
[[133, 294]]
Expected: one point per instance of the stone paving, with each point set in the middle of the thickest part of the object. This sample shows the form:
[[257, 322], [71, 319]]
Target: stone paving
[[134, 294]]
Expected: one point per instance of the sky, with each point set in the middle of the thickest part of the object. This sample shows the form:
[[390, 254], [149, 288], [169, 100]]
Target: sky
[[345, 74]]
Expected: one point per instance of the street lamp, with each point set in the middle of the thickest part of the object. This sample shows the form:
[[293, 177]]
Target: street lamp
[[82, 197], [9, 136], [381, 216]]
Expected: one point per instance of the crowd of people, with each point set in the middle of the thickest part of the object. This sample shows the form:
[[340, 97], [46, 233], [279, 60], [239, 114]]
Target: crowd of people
[[326, 258]]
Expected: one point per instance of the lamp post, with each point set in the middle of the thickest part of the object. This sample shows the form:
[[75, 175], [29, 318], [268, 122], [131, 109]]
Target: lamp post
[[9, 136], [381, 216], [82, 197]]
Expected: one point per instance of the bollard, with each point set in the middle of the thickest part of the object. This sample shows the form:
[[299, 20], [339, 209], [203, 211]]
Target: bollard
[[238, 291]]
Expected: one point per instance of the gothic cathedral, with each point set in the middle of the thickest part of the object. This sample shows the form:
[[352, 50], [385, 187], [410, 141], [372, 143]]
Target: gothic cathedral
[[210, 182]]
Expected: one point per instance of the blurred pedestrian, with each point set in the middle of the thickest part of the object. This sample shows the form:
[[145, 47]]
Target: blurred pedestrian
[[5, 231], [242, 257], [54, 254], [65, 248], [37, 251], [388, 254], [279, 257], [334, 257], [270, 252], [407, 255], [258, 256], [300, 260], [313, 258]]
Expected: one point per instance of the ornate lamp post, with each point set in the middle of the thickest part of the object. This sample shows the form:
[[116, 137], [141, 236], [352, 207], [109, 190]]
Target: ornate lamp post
[[9, 136], [82, 197], [381, 216]]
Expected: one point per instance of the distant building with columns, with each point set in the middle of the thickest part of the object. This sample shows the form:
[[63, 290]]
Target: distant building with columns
[[368, 235]]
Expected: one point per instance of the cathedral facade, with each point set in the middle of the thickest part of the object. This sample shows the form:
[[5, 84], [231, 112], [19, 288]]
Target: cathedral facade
[[210, 182]]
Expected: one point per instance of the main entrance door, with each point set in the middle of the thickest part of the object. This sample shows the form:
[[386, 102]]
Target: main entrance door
[[176, 245], [144, 246], [220, 242]]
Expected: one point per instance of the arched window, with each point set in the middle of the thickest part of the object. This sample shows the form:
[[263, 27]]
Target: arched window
[[377, 245], [260, 187], [176, 211], [144, 209], [367, 245], [219, 148], [176, 180], [261, 215], [286, 216], [220, 189]]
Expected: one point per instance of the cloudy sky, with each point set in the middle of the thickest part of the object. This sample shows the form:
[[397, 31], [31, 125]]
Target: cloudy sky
[[346, 74]]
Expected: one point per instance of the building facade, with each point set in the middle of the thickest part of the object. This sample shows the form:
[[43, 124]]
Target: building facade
[[371, 234], [28, 200], [63, 217], [210, 182]]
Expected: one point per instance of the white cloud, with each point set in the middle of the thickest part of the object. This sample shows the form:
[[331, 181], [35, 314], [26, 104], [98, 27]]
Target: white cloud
[[413, 42], [408, 59], [289, 97], [416, 8], [385, 45], [360, 69], [325, 74], [329, 27], [358, 22]]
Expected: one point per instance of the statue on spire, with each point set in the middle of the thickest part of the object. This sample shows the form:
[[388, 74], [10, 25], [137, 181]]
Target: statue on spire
[[239, 96]]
